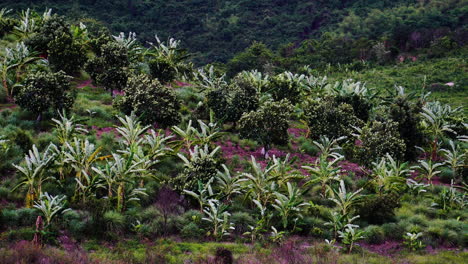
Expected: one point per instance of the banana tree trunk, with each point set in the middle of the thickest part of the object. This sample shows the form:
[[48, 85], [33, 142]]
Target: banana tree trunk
[[121, 198]]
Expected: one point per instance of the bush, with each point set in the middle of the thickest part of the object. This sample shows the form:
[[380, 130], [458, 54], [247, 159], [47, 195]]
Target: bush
[[115, 221], [162, 69], [379, 209], [374, 234], [43, 91], [377, 140], [241, 222], [151, 101], [394, 230], [230, 102], [192, 230], [108, 69], [327, 118], [268, 125]]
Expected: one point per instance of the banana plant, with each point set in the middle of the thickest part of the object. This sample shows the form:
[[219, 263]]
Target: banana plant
[[33, 172], [13, 65], [209, 81], [428, 169], [204, 195], [131, 131], [435, 121], [283, 171], [350, 236], [289, 206], [158, 144], [81, 156], [229, 185], [261, 224], [261, 183], [346, 201], [219, 218], [338, 222], [328, 146], [454, 157], [67, 128], [120, 173], [416, 188], [50, 206], [191, 136], [325, 172], [387, 175]]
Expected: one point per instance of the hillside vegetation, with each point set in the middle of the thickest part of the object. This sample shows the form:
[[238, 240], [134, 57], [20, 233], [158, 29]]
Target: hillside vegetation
[[340, 141]]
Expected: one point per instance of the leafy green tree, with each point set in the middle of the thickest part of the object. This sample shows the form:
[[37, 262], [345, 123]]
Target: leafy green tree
[[269, 124], [66, 54], [377, 139], [284, 86], [255, 57], [54, 39], [45, 90], [151, 101], [229, 102], [327, 118], [109, 68], [407, 114]]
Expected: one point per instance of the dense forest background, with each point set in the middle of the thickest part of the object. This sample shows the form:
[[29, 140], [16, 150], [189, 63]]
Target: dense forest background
[[299, 31]]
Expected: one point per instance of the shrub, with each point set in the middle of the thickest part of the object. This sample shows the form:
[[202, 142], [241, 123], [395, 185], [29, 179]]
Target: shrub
[[230, 102], [394, 230], [162, 69], [327, 118], [377, 140], [151, 101], [374, 234], [406, 114], [282, 87], [379, 209], [43, 91], [115, 221], [108, 69], [268, 125], [241, 222], [192, 230]]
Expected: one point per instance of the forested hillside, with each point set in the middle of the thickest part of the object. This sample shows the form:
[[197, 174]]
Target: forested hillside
[[270, 132], [215, 30]]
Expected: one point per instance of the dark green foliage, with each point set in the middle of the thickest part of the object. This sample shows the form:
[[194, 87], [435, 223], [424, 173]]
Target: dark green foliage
[[192, 230], [242, 221], [55, 40], [269, 124], [406, 114], [45, 90], [230, 102], [196, 173], [7, 25], [65, 54], [379, 209], [374, 234], [361, 106], [162, 69], [327, 118], [151, 101], [109, 68], [377, 139], [256, 57], [54, 27], [281, 87]]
